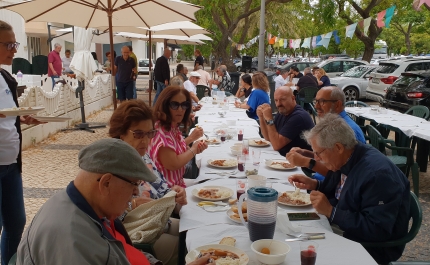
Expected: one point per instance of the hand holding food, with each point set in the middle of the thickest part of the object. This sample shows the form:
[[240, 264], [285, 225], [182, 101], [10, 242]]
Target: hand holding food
[[202, 260], [303, 182]]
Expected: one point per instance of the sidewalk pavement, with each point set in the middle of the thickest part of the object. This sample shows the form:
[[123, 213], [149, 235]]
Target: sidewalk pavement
[[49, 166]]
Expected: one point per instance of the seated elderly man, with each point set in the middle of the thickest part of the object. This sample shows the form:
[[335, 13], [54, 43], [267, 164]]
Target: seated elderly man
[[285, 129], [79, 225], [191, 84], [364, 193], [225, 83], [329, 99]]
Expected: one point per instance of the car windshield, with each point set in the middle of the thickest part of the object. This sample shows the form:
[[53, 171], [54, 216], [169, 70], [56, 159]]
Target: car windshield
[[143, 63], [387, 68], [355, 72]]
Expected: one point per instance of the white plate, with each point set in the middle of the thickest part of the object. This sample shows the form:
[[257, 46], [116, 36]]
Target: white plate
[[229, 159], [212, 141], [193, 254], [253, 143], [229, 214], [289, 192], [21, 111], [195, 192], [51, 119], [278, 167]]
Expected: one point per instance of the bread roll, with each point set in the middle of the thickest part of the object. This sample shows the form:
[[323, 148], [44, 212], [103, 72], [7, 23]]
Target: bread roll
[[230, 241]]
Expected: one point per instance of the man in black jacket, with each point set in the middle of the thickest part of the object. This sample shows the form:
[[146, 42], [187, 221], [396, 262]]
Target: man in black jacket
[[162, 72]]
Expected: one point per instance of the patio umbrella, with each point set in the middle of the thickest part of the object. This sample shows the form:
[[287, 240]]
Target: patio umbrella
[[159, 38], [83, 64], [66, 35], [105, 13]]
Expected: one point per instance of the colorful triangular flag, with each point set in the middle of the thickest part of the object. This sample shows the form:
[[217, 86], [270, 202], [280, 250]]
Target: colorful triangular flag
[[389, 15], [350, 29], [380, 19], [336, 37], [366, 25]]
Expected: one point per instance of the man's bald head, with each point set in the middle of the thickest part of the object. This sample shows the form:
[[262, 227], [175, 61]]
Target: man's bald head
[[285, 100], [167, 52], [125, 51], [331, 99]]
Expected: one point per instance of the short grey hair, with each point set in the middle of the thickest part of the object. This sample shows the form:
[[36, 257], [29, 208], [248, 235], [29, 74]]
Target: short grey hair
[[283, 71], [177, 81], [330, 130], [223, 68], [337, 93], [4, 26], [200, 67], [307, 70], [57, 45]]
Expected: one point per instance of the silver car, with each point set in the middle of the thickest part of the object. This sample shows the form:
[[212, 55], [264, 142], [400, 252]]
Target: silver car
[[354, 81]]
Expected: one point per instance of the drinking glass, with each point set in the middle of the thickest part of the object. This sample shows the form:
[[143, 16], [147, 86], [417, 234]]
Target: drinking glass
[[308, 252], [241, 186], [240, 134], [256, 156], [241, 160], [245, 147]]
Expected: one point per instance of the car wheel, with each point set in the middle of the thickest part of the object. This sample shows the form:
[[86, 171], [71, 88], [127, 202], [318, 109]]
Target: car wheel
[[238, 68], [351, 93]]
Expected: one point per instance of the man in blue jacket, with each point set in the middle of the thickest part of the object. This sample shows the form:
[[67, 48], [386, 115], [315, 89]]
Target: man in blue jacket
[[364, 193]]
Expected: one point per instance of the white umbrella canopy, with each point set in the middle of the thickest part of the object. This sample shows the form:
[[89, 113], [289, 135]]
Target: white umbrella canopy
[[105, 13], [83, 64], [173, 40], [181, 28], [94, 13]]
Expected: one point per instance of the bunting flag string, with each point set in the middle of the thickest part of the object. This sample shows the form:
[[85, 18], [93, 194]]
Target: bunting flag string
[[383, 19]]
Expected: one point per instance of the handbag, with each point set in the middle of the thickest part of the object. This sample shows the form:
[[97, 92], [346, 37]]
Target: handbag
[[146, 223]]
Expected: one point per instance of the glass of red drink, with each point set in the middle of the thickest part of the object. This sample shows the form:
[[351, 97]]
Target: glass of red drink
[[308, 252], [241, 159], [241, 186], [240, 134]]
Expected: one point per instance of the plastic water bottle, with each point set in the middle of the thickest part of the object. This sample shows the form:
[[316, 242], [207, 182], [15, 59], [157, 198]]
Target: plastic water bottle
[[19, 77]]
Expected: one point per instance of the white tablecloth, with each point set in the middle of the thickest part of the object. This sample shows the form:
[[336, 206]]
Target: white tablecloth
[[408, 124]]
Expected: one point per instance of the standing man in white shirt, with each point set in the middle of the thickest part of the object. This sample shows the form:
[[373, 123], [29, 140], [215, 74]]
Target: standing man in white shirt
[[280, 80], [191, 84], [66, 62], [205, 76]]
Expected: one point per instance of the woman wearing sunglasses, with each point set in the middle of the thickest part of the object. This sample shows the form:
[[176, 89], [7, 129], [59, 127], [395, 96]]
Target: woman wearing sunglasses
[[169, 149], [133, 123]]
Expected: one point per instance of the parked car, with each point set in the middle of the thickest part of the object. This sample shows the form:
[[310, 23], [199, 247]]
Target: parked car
[[300, 65], [143, 67], [408, 90], [269, 64], [354, 81], [389, 71], [335, 67]]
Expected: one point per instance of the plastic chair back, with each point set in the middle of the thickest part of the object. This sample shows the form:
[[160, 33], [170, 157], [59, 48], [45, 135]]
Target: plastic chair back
[[40, 65], [419, 111], [21, 64], [201, 91]]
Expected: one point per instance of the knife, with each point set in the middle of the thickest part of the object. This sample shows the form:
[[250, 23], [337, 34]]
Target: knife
[[203, 203], [305, 238]]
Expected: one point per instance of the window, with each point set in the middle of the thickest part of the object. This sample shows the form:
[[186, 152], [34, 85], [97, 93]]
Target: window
[[301, 66], [387, 68], [332, 67], [414, 67], [349, 64]]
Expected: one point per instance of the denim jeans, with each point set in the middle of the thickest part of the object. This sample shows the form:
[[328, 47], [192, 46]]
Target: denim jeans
[[134, 90], [12, 210], [160, 87], [53, 81]]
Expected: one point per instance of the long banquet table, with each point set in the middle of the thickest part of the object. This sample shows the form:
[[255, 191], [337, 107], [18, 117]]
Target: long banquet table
[[205, 228]]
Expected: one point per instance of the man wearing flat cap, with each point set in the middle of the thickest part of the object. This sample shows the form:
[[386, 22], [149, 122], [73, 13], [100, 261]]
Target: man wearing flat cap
[[79, 225]]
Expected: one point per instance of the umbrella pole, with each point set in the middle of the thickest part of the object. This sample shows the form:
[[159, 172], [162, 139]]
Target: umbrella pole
[[112, 59], [150, 68]]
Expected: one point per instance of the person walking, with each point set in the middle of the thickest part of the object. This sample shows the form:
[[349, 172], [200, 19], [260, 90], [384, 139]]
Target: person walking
[[162, 73], [124, 69], [54, 63]]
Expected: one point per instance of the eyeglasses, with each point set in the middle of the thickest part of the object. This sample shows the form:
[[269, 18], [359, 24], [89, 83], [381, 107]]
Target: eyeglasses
[[322, 101], [174, 105], [138, 134], [11, 45], [319, 153], [126, 180]]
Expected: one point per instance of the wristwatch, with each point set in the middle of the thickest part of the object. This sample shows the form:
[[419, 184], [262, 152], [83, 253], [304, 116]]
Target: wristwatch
[[311, 164], [270, 122]]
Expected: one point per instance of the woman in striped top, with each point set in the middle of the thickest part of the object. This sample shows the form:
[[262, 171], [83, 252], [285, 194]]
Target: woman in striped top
[[168, 149]]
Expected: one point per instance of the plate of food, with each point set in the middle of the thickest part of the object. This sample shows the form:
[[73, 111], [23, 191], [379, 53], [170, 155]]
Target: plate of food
[[258, 142], [294, 198], [280, 164], [223, 163], [19, 111], [213, 193], [212, 141], [51, 119], [233, 213], [220, 253]]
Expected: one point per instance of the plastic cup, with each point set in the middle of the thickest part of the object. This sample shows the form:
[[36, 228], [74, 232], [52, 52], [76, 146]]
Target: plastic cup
[[308, 252], [245, 147], [241, 160], [241, 186], [256, 156], [240, 134]]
